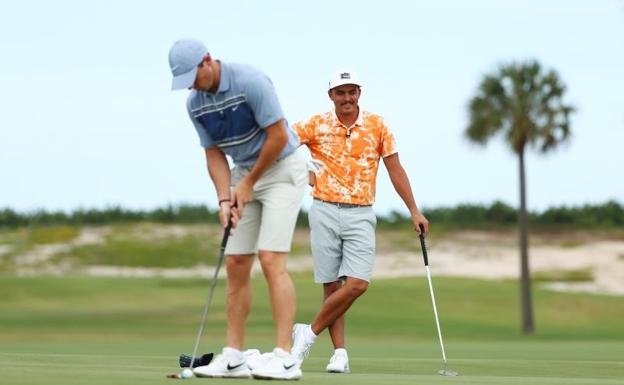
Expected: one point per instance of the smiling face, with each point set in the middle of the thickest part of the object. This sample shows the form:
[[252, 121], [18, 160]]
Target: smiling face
[[345, 98]]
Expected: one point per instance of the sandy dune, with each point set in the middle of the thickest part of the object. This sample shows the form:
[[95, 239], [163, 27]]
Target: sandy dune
[[604, 259]]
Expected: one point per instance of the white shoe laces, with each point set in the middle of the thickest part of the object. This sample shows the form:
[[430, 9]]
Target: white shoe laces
[[305, 344], [306, 348]]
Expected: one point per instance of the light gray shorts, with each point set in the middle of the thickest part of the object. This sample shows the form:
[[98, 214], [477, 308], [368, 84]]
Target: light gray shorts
[[268, 221], [343, 241]]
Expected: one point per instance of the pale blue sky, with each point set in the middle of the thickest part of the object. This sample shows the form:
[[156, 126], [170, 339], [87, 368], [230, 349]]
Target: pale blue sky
[[88, 119]]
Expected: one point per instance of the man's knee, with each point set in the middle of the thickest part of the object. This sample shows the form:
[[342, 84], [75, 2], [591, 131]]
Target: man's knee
[[238, 270], [331, 287], [356, 287], [273, 264], [236, 262]]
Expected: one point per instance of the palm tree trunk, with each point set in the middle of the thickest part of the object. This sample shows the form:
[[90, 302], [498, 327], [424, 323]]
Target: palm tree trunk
[[525, 280]]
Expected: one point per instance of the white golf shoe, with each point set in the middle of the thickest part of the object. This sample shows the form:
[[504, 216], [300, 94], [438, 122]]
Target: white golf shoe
[[339, 362], [301, 344], [255, 359], [230, 364], [280, 366]]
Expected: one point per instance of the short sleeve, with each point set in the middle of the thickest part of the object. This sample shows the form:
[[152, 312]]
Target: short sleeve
[[305, 131], [204, 138], [262, 99], [388, 143]]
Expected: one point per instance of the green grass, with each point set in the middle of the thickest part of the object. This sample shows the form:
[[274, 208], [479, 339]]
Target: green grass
[[24, 240], [151, 245], [39, 235], [79, 330], [486, 310], [44, 235], [374, 362], [570, 244], [141, 244], [578, 275], [180, 252]]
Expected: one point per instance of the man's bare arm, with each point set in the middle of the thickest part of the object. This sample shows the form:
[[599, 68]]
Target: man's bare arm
[[401, 184], [277, 138], [219, 171]]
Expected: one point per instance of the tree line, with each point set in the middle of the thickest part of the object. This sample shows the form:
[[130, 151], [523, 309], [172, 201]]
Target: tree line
[[608, 215]]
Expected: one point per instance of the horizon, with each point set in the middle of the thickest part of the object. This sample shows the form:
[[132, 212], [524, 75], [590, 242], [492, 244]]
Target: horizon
[[303, 209]]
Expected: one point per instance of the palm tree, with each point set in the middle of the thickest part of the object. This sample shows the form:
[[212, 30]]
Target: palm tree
[[524, 104]]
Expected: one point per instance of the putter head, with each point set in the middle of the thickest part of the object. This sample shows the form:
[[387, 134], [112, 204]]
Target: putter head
[[185, 360], [447, 373]]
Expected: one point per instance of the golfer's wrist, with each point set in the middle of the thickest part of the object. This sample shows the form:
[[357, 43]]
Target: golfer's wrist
[[250, 179], [224, 200]]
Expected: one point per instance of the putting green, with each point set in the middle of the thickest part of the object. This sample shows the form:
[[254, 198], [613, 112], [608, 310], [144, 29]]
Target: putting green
[[78, 330], [372, 362]]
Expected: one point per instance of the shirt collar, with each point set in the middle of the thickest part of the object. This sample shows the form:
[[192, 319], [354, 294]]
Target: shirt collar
[[359, 122], [224, 81]]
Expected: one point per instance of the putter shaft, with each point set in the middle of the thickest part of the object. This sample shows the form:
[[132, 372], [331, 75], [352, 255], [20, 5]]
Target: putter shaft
[[445, 371], [226, 235]]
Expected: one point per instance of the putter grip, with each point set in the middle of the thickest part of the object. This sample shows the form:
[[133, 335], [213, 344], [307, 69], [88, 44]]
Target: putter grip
[[423, 246], [226, 232]]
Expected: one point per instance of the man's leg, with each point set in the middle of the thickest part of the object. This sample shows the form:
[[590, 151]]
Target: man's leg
[[238, 298], [280, 194], [338, 303], [343, 245], [281, 294], [336, 329], [339, 361], [332, 310], [240, 251], [358, 252], [231, 361]]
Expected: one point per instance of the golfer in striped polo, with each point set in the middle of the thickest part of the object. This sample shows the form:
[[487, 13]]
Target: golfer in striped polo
[[236, 112]]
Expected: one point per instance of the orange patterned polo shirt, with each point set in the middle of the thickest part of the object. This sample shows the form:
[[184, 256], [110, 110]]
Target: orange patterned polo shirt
[[349, 157]]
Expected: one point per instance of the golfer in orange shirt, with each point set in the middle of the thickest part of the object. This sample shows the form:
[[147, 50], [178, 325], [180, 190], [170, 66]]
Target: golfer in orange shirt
[[347, 144]]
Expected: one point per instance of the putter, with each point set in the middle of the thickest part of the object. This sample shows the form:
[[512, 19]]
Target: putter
[[191, 364], [445, 371], [226, 235], [185, 360]]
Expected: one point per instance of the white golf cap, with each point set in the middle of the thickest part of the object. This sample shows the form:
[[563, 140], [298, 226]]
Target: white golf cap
[[184, 57], [344, 76]]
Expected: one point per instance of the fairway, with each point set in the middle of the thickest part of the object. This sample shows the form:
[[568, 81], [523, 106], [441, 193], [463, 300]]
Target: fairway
[[78, 330]]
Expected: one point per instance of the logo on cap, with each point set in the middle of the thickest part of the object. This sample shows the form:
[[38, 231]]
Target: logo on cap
[[345, 75]]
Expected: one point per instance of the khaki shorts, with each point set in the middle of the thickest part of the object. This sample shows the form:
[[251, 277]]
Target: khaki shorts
[[268, 221]]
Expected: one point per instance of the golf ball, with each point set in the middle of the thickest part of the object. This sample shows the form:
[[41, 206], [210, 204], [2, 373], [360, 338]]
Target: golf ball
[[186, 373]]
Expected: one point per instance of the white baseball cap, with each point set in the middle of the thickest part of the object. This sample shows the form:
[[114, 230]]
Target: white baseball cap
[[184, 57], [342, 77]]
